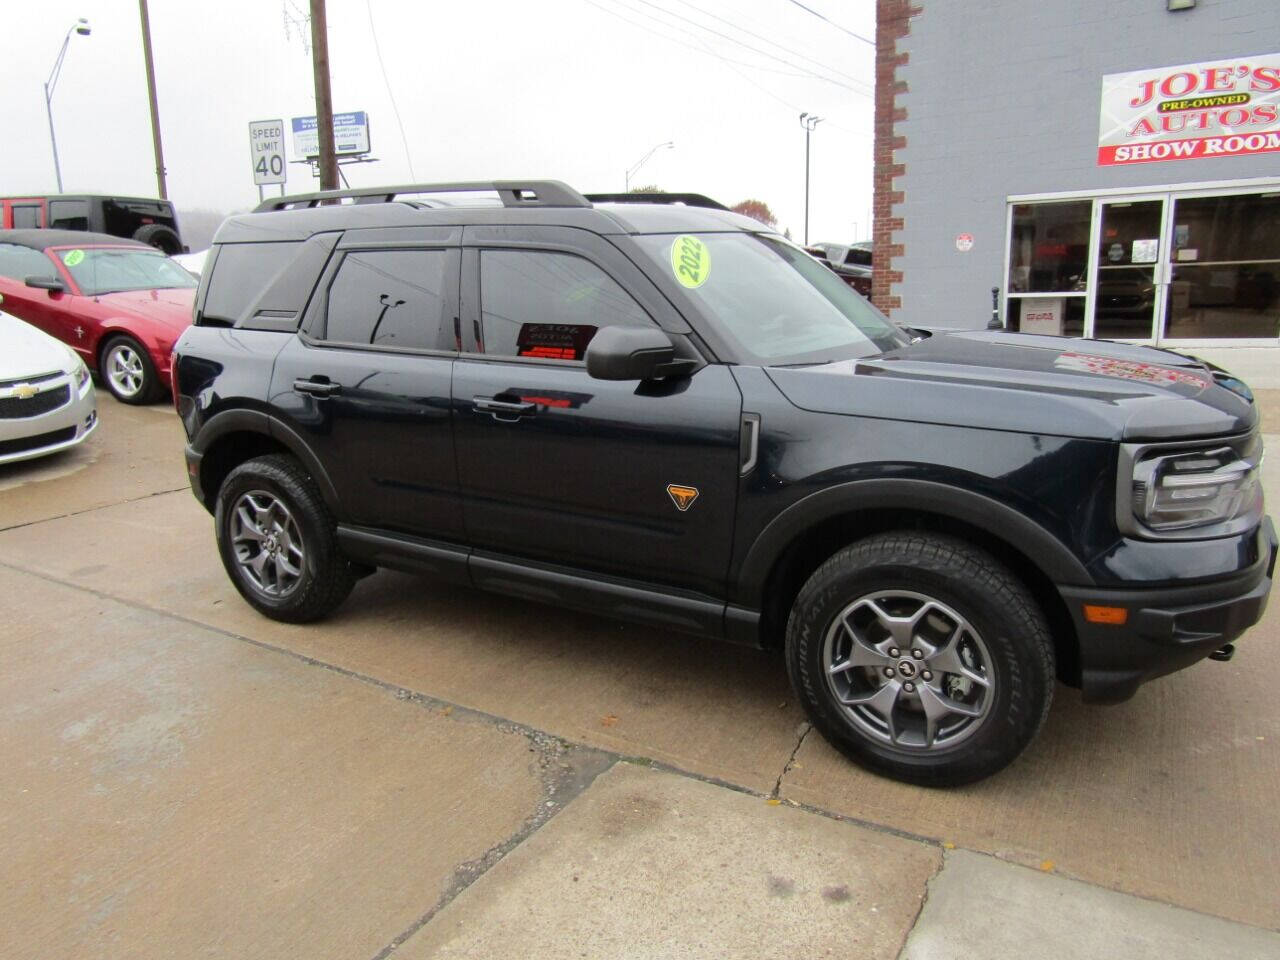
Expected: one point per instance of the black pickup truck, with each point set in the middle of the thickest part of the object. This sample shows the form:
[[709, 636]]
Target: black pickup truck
[[663, 412]]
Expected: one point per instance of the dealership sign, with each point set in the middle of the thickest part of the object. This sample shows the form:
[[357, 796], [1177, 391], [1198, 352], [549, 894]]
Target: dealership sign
[[1222, 108]]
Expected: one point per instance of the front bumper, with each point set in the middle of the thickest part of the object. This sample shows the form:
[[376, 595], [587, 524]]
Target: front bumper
[[28, 437], [1167, 629]]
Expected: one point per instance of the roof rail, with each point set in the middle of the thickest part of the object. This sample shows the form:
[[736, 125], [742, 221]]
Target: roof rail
[[514, 193], [688, 199]]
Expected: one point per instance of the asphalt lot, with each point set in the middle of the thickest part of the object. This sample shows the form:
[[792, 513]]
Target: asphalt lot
[[434, 771]]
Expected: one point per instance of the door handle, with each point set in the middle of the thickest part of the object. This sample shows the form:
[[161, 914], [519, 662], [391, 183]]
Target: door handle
[[503, 409], [317, 388]]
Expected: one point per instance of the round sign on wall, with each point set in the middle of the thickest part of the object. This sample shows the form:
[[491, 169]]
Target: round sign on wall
[[964, 242]]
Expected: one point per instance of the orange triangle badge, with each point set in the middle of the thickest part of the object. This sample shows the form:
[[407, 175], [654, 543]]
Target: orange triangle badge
[[682, 496]]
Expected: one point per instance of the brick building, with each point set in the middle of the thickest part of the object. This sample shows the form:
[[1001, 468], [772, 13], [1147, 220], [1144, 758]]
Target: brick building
[[1113, 168]]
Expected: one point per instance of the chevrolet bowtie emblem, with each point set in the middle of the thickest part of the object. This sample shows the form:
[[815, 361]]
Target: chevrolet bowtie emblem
[[24, 391]]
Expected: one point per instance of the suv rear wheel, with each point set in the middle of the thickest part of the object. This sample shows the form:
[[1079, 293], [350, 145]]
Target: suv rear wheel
[[278, 543], [921, 657]]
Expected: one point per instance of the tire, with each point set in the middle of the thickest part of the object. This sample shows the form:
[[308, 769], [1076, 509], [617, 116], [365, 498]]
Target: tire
[[944, 665], [126, 370], [278, 541], [159, 236]]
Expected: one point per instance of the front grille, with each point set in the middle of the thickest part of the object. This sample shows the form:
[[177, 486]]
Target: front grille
[[35, 443], [41, 378], [15, 408]]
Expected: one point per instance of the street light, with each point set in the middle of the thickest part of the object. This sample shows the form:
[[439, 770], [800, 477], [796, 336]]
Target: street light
[[808, 121], [80, 27], [626, 178]]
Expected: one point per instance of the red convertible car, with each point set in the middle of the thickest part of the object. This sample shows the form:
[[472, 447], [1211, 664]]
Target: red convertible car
[[119, 303]]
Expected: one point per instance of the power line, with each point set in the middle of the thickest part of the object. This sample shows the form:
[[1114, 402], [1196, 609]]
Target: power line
[[856, 36], [727, 61], [677, 40], [395, 109], [747, 46], [758, 36]]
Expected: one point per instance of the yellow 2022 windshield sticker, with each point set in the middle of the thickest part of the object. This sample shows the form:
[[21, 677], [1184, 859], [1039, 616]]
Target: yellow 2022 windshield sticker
[[690, 261], [73, 258]]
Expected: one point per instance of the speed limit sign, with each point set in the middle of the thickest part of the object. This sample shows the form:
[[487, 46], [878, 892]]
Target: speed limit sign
[[266, 146]]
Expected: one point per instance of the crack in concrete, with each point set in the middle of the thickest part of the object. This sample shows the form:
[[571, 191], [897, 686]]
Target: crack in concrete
[[906, 934], [805, 729], [566, 770], [101, 506]]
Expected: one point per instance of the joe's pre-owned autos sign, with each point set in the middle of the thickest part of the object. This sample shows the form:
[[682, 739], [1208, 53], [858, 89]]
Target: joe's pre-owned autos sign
[[1219, 109]]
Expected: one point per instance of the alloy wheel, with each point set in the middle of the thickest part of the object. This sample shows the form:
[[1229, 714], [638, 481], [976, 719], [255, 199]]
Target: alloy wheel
[[267, 543], [908, 670], [125, 370]]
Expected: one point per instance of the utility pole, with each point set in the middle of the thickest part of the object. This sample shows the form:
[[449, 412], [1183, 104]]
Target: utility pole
[[808, 121], [151, 93], [324, 99]]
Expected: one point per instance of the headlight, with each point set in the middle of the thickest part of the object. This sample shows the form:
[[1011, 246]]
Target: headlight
[[77, 370], [1210, 491]]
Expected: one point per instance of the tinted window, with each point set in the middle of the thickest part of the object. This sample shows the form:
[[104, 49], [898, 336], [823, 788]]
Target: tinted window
[[25, 217], [240, 274], [18, 263], [69, 214], [388, 298], [540, 304]]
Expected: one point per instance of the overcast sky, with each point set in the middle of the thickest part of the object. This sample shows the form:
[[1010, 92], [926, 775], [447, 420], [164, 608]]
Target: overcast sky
[[577, 90]]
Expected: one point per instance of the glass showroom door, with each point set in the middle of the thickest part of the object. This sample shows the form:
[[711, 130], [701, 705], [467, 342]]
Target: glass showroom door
[[1225, 270], [1130, 270]]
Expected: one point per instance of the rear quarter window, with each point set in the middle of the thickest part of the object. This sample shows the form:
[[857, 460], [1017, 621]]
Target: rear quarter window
[[241, 273]]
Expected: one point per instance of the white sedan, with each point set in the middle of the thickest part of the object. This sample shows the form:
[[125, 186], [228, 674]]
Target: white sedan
[[47, 403]]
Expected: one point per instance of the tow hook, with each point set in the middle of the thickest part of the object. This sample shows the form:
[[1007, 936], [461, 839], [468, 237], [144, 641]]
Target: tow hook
[[1224, 653]]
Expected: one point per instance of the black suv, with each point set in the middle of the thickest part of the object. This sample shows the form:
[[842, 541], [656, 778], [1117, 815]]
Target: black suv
[[664, 412], [144, 219]]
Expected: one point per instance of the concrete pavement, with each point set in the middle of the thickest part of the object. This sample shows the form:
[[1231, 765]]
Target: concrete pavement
[[386, 759]]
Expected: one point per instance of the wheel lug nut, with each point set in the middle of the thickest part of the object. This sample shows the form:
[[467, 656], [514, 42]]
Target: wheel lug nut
[[927, 675], [888, 671], [918, 654], [909, 687], [894, 651]]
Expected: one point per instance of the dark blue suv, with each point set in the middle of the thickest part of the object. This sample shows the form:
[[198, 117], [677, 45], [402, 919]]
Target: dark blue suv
[[655, 409]]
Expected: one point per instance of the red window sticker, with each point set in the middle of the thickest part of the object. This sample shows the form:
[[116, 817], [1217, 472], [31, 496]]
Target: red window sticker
[[554, 341]]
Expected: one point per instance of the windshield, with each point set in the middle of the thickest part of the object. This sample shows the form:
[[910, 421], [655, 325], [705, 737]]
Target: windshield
[[113, 270], [776, 303]]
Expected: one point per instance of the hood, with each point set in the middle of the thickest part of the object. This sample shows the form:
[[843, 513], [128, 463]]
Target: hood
[[1031, 384], [28, 352], [169, 307]]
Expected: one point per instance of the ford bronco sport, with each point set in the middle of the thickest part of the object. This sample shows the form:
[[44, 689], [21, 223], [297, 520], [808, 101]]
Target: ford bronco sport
[[664, 412]]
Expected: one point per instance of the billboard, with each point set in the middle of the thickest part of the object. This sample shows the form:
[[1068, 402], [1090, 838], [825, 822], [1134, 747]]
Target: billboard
[[1220, 108], [350, 135]]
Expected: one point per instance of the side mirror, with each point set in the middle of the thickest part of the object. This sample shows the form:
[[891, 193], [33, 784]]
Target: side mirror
[[45, 283], [632, 353]]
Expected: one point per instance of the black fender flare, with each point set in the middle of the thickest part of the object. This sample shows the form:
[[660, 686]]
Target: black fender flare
[[1048, 553], [256, 421]]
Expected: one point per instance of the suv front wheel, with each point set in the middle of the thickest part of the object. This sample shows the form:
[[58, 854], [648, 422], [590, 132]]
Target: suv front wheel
[[921, 657], [278, 542]]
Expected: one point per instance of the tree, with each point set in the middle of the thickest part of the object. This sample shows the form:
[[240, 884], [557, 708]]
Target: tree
[[649, 188], [756, 210]]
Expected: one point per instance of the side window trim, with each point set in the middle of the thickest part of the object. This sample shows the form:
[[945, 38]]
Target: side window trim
[[313, 329], [473, 279]]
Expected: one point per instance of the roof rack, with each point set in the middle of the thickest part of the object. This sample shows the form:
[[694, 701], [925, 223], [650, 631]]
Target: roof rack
[[514, 193], [688, 199]]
